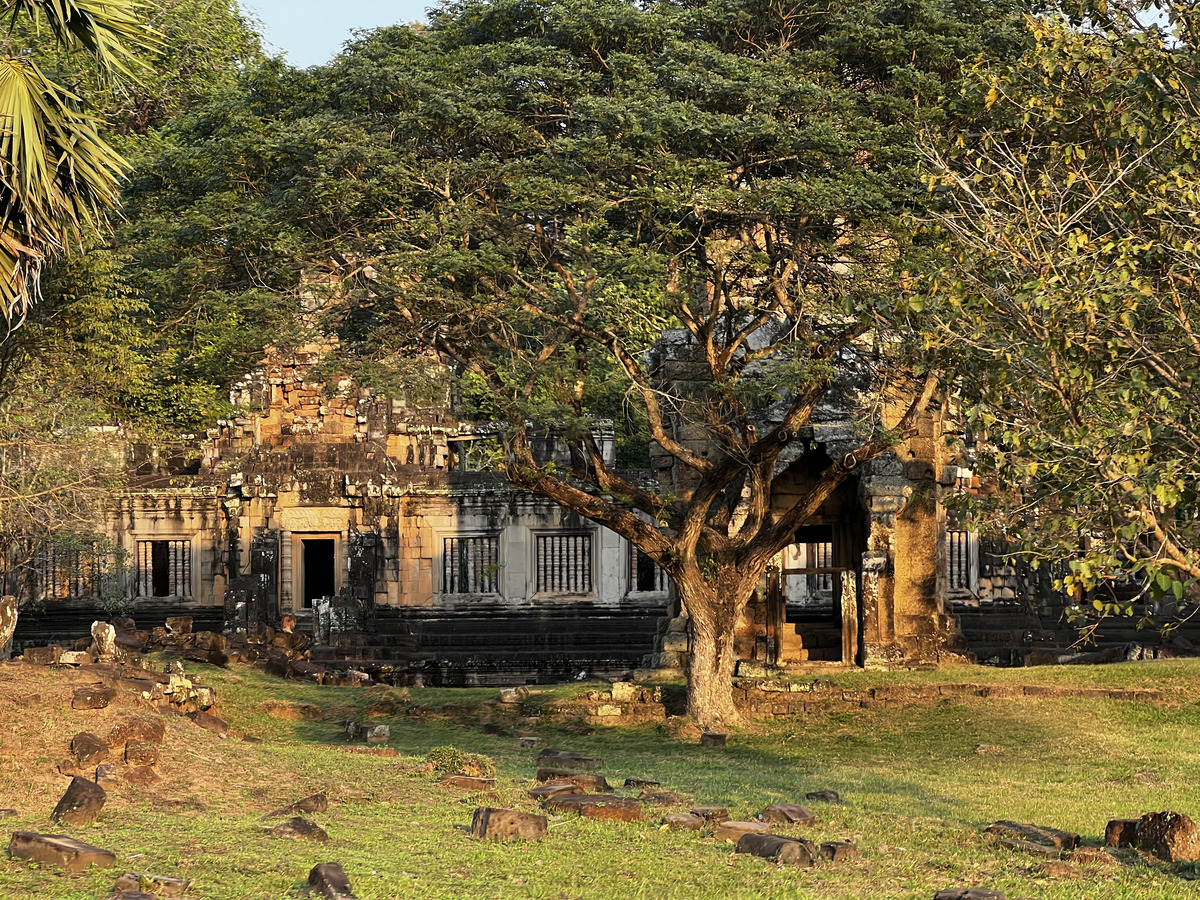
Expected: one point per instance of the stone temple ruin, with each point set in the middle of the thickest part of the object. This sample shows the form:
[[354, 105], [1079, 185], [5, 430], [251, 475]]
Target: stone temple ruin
[[376, 525]]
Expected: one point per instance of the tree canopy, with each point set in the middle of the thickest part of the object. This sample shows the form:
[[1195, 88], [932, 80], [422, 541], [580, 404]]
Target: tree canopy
[[1073, 308]]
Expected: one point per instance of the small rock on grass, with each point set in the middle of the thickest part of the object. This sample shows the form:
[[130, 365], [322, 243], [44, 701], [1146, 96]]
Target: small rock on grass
[[1063, 840], [468, 782], [607, 807], [554, 789], [58, 850], [81, 804], [300, 829], [683, 822], [161, 885], [824, 796], [731, 830], [975, 893], [329, 880], [781, 849], [711, 814], [1121, 833], [88, 749], [1093, 856], [504, 824], [209, 722], [641, 783], [839, 851], [1170, 836], [314, 803], [595, 784], [95, 696], [712, 740], [787, 814]]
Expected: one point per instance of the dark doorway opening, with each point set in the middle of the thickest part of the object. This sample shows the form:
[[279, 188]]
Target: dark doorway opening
[[160, 568], [319, 570]]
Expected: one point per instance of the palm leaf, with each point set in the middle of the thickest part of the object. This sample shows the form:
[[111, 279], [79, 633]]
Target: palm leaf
[[57, 177], [109, 30]]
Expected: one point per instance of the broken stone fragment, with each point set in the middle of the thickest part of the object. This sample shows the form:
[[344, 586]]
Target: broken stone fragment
[[149, 729], [42, 656], [94, 696], [58, 850], [975, 893], [505, 824], [823, 796], [640, 783], [683, 822], [712, 739], [141, 753], [298, 828], [1170, 836], [314, 803], [7, 813], [554, 789], [1121, 833], [329, 880], [711, 814], [567, 759], [380, 734], [595, 784], [606, 807], [514, 694], [530, 742], [75, 658], [781, 849], [81, 804], [179, 625], [104, 639], [88, 749], [787, 814], [160, 885], [839, 851], [1063, 840], [105, 774], [732, 830]]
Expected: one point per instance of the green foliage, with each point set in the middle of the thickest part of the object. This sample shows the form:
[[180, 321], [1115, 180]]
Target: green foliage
[[1071, 311]]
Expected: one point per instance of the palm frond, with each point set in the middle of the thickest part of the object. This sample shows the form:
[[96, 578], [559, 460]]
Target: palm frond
[[109, 30]]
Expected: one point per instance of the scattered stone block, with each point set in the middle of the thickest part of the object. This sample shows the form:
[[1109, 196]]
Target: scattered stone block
[[787, 814], [530, 742], [468, 782], [1046, 851], [1170, 836], [209, 722], [663, 798], [42, 656], [179, 625], [505, 824], [711, 814], [555, 789], [314, 803], [824, 796], [68, 767], [733, 830], [141, 753], [329, 880], [149, 729], [839, 851], [567, 759], [105, 774], [58, 850], [606, 807], [159, 885], [683, 822], [88, 749], [712, 739], [104, 637], [300, 829], [593, 784], [641, 783], [75, 658], [94, 696], [781, 849], [1063, 840], [81, 804], [7, 813], [1121, 832], [514, 694], [380, 734]]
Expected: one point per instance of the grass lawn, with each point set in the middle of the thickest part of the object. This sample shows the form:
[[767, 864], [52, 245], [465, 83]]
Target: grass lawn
[[916, 793]]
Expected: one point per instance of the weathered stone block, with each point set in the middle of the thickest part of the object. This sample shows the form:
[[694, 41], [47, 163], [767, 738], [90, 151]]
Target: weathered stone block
[[683, 822], [1170, 836], [712, 740], [88, 749], [787, 814], [598, 806], [711, 814], [82, 803], [58, 850], [156, 885], [555, 789], [782, 849], [141, 753], [1063, 840], [595, 784], [839, 851], [329, 880], [733, 830], [209, 722], [1121, 833], [468, 782], [148, 729], [94, 696], [505, 824], [567, 759], [300, 829]]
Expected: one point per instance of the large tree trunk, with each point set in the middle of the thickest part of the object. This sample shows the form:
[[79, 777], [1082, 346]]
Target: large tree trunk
[[714, 612], [8, 622]]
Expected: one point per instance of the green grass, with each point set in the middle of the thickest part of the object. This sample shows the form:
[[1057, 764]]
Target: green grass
[[916, 795]]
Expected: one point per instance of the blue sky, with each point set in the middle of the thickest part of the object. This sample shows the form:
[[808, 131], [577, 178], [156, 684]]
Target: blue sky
[[311, 31]]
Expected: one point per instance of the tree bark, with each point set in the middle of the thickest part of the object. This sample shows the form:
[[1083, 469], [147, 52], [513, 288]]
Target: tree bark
[[8, 623], [714, 613]]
